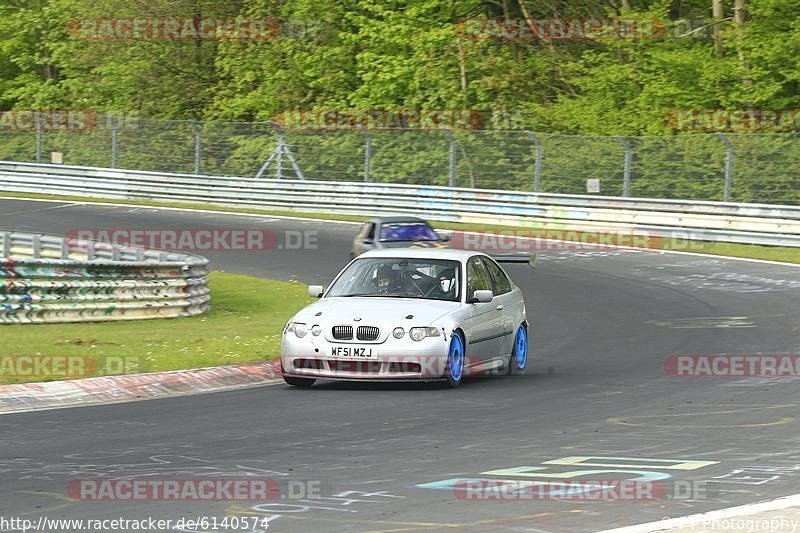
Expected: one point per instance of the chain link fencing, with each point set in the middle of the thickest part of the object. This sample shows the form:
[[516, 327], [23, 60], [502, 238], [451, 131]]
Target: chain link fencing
[[742, 167]]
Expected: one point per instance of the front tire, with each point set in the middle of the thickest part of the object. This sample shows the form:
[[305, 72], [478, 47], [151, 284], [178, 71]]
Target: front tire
[[299, 382], [455, 360], [518, 361]]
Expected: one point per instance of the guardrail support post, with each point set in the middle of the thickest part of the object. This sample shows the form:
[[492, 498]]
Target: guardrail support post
[[38, 141], [367, 156], [198, 145], [537, 165], [728, 166], [36, 246], [626, 176], [453, 154]]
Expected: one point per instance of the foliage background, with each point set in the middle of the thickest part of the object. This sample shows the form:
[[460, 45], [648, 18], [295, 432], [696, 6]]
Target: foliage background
[[392, 54]]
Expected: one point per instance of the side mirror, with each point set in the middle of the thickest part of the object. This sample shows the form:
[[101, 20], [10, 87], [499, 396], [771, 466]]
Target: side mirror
[[315, 291], [482, 296], [367, 241], [443, 237]]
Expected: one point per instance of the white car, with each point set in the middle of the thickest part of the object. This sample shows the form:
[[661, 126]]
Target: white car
[[410, 314]]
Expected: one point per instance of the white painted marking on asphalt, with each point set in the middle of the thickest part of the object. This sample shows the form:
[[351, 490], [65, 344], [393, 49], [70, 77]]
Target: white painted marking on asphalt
[[721, 514], [729, 282], [28, 211], [186, 210], [704, 322]]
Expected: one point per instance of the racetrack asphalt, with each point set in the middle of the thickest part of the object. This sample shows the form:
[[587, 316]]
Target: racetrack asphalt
[[596, 403]]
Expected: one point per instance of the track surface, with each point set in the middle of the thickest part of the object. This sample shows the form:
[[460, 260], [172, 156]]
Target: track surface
[[603, 324]]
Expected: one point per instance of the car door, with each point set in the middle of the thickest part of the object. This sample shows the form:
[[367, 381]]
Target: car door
[[484, 329], [508, 303]]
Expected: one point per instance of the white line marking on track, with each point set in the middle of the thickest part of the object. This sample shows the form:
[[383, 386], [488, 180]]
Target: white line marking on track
[[183, 209], [26, 212], [731, 512]]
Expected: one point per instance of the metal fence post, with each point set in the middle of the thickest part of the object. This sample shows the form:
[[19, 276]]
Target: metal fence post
[[453, 154], [626, 176], [198, 145], [114, 141], [728, 166], [537, 165], [38, 141], [279, 157], [367, 156]]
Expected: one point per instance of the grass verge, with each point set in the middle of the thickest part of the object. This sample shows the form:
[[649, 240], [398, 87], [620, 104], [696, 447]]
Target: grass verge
[[245, 324]]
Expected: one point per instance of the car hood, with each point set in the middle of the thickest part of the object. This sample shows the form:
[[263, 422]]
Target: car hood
[[376, 311]]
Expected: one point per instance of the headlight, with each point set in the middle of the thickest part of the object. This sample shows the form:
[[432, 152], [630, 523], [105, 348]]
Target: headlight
[[316, 329], [418, 334], [398, 332], [298, 328]]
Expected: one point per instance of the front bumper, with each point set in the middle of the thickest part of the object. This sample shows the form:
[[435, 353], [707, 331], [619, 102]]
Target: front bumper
[[392, 360]]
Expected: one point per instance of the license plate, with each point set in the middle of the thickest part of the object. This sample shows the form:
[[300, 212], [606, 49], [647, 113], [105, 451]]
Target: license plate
[[351, 351]]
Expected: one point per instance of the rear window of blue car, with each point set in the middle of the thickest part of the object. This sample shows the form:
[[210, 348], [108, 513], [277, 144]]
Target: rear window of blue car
[[407, 231]]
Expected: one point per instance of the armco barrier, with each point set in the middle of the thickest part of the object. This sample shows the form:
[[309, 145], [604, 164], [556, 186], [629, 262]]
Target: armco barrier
[[44, 278], [711, 221]]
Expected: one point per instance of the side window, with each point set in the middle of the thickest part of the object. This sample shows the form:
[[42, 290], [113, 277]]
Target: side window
[[501, 283], [369, 233], [477, 277]]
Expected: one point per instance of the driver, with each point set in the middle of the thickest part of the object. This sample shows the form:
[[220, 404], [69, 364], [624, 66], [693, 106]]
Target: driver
[[387, 280]]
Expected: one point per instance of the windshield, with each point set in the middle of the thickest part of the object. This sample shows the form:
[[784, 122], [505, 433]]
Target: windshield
[[392, 277], [407, 231]]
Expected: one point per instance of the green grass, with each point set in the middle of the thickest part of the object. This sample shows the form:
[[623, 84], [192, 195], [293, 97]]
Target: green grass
[[245, 324], [752, 251]]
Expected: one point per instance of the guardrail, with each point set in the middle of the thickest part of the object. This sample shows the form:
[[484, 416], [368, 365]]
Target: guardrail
[[45, 278], [696, 220]]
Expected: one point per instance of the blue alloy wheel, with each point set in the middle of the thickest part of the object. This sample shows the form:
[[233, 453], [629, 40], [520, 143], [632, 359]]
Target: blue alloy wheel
[[455, 360], [521, 347]]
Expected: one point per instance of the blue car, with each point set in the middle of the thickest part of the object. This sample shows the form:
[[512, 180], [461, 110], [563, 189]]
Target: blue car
[[397, 232]]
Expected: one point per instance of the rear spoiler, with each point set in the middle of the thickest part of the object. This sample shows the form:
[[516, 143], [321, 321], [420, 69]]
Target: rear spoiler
[[529, 259]]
